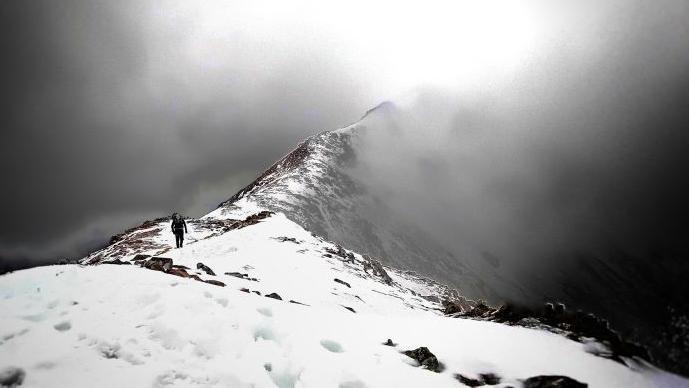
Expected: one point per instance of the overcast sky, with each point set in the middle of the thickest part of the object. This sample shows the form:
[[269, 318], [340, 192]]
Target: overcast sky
[[115, 112]]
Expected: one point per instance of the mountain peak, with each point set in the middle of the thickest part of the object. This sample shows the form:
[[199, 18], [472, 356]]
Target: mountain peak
[[384, 108]]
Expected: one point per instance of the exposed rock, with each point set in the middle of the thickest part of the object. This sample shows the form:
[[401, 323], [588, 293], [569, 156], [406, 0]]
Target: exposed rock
[[343, 282], [552, 382], [578, 326], [181, 272], [117, 262], [214, 282], [163, 264], [205, 269], [425, 358], [243, 289], [141, 257], [489, 378], [241, 276], [458, 305], [468, 381], [389, 343], [431, 298], [129, 232], [12, 377], [376, 269], [257, 292], [274, 296], [349, 308], [251, 220], [295, 302], [287, 239]]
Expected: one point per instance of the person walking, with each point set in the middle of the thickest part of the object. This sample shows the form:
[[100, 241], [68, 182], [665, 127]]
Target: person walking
[[179, 227]]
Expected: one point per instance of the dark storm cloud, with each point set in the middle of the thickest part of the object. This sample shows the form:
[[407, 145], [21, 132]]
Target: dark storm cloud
[[106, 122], [585, 154]]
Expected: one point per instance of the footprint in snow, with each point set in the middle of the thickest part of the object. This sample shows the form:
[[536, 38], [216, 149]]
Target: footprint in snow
[[63, 326], [264, 333], [332, 346]]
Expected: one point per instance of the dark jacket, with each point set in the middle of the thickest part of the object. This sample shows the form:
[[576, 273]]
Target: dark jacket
[[178, 224]]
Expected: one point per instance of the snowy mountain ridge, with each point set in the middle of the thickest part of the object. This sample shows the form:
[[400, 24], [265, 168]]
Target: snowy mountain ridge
[[316, 186], [121, 325], [260, 297]]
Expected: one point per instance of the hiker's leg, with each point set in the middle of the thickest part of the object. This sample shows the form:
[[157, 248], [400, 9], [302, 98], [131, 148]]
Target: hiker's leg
[[181, 239], [177, 240]]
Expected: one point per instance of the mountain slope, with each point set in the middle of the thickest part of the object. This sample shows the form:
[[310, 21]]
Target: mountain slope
[[120, 325], [319, 186]]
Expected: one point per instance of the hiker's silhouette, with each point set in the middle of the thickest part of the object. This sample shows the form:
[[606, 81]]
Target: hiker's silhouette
[[179, 227]]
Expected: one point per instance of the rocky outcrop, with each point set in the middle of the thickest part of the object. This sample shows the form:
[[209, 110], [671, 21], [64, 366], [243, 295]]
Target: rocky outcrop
[[376, 268], [458, 305], [340, 252], [163, 264], [117, 262], [425, 358], [578, 326]]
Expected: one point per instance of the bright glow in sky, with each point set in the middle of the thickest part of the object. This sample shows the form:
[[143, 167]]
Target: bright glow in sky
[[397, 44]]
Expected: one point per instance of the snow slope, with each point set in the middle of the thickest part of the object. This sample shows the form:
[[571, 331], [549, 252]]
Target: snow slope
[[320, 185], [122, 325]]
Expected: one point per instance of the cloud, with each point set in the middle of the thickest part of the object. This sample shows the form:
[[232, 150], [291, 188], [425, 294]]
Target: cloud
[[583, 155], [112, 117]]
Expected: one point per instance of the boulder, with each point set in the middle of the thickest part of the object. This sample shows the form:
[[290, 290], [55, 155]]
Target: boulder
[[274, 296], [12, 377], [553, 382], [205, 269], [163, 264], [425, 358]]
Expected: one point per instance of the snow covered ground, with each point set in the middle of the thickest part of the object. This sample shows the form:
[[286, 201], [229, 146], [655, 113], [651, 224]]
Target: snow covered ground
[[122, 325]]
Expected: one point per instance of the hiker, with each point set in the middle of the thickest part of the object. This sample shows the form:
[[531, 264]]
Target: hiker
[[179, 227]]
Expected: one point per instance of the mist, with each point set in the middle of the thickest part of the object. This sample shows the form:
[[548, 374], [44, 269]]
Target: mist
[[528, 128], [115, 117], [581, 157]]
